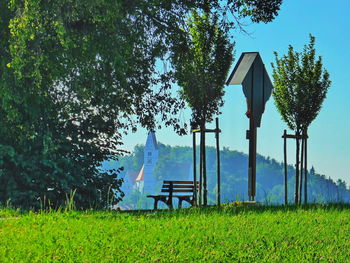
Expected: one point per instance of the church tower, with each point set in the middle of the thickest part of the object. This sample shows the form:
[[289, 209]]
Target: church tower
[[150, 161]]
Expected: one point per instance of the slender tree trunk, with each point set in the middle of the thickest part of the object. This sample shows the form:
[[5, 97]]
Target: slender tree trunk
[[301, 171], [296, 194], [305, 167]]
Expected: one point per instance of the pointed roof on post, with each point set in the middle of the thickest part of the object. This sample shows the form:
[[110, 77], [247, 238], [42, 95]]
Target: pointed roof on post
[[250, 72], [242, 67]]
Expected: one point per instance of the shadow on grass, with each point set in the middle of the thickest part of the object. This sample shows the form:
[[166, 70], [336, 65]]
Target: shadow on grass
[[225, 209]]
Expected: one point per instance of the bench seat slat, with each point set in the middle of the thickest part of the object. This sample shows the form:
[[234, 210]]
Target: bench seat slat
[[178, 190], [160, 196], [178, 186], [179, 182]]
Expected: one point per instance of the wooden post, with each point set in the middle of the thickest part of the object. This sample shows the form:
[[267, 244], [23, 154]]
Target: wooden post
[[296, 194], [205, 190], [285, 169], [218, 161], [194, 169], [252, 160], [200, 168], [305, 167], [301, 171], [254, 163]]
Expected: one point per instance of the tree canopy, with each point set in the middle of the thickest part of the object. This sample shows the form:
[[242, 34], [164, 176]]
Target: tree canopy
[[201, 62], [301, 84]]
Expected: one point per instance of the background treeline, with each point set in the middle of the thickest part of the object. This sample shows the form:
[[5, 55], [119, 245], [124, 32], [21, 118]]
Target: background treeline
[[270, 174]]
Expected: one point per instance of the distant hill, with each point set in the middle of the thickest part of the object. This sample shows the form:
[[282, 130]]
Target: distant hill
[[270, 178]]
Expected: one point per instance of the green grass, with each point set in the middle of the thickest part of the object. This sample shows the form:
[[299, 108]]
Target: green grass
[[232, 234]]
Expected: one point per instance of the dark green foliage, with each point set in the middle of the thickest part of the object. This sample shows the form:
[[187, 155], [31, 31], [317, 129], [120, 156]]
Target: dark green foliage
[[258, 10], [72, 74]]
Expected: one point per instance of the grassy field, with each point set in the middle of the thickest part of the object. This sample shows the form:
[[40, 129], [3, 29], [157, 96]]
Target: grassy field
[[231, 234]]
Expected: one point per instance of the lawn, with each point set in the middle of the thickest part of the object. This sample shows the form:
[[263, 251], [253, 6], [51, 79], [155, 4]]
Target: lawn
[[231, 234]]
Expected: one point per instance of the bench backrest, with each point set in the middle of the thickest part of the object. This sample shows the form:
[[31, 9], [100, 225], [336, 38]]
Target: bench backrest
[[179, 187]]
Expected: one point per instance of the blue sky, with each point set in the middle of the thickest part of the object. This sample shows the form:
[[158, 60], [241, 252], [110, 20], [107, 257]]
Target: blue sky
[[329, 143]]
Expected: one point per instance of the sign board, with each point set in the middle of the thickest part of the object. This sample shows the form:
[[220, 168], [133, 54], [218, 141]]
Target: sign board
[[250, 72]]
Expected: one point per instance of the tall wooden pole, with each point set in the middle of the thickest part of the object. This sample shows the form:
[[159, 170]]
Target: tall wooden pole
[[254, 163], [194, 169], [301, 171], [305, 167], [252, 160], [205, 190], [218, 160], [285, 169], [250, 171], [200, 168], [252, 145], [296, 194]]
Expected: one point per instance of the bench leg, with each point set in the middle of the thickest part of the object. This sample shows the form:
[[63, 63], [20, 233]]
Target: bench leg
[[155, 203], [170, 203]]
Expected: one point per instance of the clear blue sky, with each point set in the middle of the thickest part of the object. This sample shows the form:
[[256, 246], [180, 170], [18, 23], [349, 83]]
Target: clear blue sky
[[329, 143]]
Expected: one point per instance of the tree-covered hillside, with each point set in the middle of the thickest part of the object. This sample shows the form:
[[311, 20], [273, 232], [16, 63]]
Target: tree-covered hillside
[[270, 184]]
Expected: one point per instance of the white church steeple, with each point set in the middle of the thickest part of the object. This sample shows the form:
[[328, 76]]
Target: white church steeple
[[150, 160]]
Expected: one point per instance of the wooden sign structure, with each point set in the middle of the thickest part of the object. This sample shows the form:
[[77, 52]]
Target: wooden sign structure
[[250, 72], [203, 183]]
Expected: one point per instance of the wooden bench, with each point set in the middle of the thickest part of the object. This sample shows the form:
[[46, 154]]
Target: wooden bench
[[171, 187]]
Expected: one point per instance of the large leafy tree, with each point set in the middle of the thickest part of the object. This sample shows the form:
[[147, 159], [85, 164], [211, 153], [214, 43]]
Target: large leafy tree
[[301, 84], [75, 75]]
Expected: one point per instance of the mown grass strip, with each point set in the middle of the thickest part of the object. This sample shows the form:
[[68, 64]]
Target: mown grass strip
[[230, 234]]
